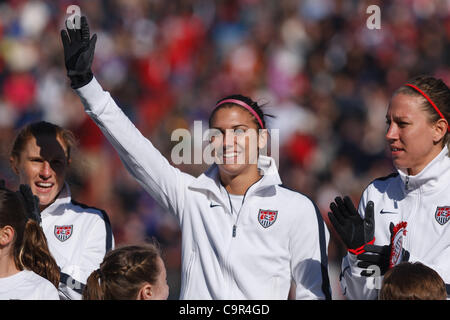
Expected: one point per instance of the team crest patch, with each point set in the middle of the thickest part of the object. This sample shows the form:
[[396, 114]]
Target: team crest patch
[[267, 217], [442, 215], [62, 233]]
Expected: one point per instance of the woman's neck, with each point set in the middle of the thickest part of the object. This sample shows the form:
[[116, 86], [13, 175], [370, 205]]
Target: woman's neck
[[240, 183], [7, 265]]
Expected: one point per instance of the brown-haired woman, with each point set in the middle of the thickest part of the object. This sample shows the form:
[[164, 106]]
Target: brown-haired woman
[[78, 235], [129, 273], [245, 236], [412, 281], [27, 269], [411, 207]]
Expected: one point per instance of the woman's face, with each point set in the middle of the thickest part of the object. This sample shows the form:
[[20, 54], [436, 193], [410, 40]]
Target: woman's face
[[412, 138], [236, 140], [43, 165]]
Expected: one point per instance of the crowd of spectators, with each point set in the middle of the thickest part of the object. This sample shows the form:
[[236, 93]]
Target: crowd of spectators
[[323, 74]]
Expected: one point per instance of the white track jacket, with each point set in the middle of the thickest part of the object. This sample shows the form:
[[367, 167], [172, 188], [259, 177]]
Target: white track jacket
[[278, 234], [78, 237], [423, 201]]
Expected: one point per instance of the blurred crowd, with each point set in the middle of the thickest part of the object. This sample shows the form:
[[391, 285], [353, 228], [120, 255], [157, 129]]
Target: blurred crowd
[[317, 67]]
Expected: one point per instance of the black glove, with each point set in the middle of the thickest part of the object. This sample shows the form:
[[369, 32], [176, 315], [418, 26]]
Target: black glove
[[354, 231], [379, 256], [31, 202], [78, 53]]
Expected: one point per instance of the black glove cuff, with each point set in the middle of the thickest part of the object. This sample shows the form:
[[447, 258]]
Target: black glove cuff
[[80, 80]]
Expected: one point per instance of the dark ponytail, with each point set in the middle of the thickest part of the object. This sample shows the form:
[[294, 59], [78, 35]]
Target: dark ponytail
[[30, 249], [95, 287], [35, 255]]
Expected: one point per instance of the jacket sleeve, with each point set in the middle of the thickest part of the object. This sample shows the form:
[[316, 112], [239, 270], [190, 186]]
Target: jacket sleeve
[[309, 262], [353, 285], [165, 183], [96, 243]]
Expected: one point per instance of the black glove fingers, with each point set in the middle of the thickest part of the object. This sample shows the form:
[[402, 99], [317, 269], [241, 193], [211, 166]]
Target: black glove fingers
[[336, 224], [391, 228], [31, 202], [368, 216], [369, 222], [380, 250], [349, 206], [85, 33], [369, 258], [65, 39], [366, 264], [71, 32], [337, 212], [92, 43], [341, 208]]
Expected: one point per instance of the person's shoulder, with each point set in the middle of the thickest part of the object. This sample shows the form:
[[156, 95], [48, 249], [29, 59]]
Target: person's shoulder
[[36, 280], [82, 208], [44, 289], [382, 183], [297, 200]]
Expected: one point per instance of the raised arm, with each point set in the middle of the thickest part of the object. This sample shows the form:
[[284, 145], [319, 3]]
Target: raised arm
[[145, 163]]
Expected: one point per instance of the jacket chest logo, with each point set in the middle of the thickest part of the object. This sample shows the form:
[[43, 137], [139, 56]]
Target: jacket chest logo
[[442, 215], [267, 217], [62, 233]]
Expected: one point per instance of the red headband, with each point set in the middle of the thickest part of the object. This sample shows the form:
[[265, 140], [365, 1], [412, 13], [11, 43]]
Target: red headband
[[242, 104], [430, 101]]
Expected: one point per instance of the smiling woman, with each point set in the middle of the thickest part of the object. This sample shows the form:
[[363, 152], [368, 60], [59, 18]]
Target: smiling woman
[[245, 236], [78, 235], [41, 158]]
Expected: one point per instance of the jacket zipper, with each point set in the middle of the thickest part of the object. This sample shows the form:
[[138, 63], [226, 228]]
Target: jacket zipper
[[233, 234], [227, 266]]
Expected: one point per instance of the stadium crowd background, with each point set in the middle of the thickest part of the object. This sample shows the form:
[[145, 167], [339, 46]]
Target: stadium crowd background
[[325, 76]]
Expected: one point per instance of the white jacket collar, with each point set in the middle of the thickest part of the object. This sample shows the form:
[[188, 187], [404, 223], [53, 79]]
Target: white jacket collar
[[431, 177], [63, 198], [210, 180]]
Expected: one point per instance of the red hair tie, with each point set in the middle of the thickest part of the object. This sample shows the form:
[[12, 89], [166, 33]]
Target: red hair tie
[[430, 101]]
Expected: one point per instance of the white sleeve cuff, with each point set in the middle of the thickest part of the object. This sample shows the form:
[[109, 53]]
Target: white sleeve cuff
[[93, 97]]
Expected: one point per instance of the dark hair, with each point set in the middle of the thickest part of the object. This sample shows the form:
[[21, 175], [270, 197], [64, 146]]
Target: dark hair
[[122, 273], [412, 281], [437, 91], [30, 249], [252, 104], [42, 128]]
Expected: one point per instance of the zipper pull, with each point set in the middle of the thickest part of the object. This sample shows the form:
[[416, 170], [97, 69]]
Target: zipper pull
[[407, 181], [234, 231]]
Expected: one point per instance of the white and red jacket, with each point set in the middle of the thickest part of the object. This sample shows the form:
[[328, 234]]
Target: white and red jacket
[[225, 255], [423, 202]]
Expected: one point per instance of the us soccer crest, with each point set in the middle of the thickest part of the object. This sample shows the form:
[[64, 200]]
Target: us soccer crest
[[442, 215], [267, 217], [62, 233], [398, 234]]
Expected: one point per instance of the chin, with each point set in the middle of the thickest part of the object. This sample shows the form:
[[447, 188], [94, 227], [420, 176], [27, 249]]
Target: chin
[[231, 169]]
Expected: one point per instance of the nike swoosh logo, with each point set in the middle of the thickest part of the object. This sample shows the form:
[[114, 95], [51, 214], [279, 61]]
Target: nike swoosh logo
[[214, 205], [387, 212]]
